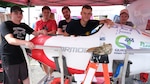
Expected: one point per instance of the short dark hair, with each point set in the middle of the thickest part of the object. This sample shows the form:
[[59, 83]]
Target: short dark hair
[[46, 8], [15, 8], [87, 7], [65, 7]]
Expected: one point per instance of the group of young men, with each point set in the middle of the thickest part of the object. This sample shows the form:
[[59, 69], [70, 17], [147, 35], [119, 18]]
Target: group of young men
[[13, 34]]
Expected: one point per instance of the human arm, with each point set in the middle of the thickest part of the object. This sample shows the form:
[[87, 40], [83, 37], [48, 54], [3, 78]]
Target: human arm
[[35, 32], [66, 34], [107, 21], [68, 29], [38, 30], [61, 26], [60, 31], [16, 35], [53, 27], [52, 32], [13, 41]]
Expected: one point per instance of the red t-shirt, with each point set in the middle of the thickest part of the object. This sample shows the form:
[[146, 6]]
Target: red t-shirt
[[48, 25]]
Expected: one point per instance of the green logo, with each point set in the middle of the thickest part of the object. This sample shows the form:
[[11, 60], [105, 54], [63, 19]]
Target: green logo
[[123, 41]]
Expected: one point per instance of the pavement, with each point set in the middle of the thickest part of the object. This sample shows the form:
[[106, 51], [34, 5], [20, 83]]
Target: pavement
[[37, 75], [36, 72]]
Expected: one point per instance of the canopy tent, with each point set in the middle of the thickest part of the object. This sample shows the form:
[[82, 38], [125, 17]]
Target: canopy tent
[[4, 4], [70, 2]]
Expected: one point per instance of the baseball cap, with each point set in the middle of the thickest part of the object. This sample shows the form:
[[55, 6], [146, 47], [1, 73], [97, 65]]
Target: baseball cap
[[124, 11], [15, 8]]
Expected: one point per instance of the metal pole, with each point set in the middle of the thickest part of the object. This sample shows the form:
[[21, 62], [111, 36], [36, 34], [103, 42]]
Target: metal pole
[[128, 52], [27, 60], [124, 68], [28, 36], [61, 66]]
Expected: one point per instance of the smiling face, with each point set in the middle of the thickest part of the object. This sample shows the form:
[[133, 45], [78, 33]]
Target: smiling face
[[46, 14], [66, 14], [123, 18]]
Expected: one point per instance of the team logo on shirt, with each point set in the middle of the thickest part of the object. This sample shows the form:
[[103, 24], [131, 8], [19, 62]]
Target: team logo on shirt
[[19, 32]]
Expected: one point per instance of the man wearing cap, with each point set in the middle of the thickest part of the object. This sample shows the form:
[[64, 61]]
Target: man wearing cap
[[13, 34], [124, 16]]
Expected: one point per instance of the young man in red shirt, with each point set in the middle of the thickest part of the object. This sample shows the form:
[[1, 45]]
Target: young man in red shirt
[[46, 23], [49, 26]]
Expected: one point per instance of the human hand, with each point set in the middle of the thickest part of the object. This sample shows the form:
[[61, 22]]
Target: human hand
[[43, 32], [30, 45], [109, 22]]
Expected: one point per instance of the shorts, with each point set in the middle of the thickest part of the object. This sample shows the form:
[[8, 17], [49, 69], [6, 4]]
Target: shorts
[[14, 72]]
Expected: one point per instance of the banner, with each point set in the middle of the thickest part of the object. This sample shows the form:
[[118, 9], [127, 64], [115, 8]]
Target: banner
[[139, 13]]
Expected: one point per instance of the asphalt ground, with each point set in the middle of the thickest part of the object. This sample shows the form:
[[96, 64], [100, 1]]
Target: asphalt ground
[[37, 74]]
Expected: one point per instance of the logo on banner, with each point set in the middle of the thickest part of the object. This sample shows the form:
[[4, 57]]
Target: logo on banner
[[144, 44], [123, 41]]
